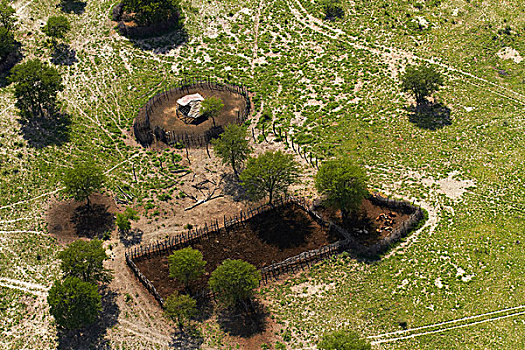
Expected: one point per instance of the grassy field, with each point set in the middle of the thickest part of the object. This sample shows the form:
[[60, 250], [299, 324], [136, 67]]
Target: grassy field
[[334, 86]]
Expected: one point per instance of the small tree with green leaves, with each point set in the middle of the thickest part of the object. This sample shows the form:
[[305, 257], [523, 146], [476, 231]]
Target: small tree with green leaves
[[344, 183], [57, 27], [124, 219], [234, 282], [180, 308], [82, 180], [36, 88], [7, 15], [84, 260], [343, 340], [211, 107], [74, 303], [232, 147], [186, 265], [422, 81], [269, 174]]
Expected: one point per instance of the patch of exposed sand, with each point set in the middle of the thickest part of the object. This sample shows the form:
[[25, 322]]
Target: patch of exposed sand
[[508, 53]]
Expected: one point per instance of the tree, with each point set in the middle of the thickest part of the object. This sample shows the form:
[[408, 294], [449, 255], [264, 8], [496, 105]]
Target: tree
[[212, 107], [148, 12], [82, 180], [344, 183], [180, 308], [123, 219], [7, 15], [186, 265], [7, 43], [269, 174], [74, 303], [36, 87], [57, 27], [232, 146], [422, 81], [332, 9], [84, 260], [234, 281], [343, 340]]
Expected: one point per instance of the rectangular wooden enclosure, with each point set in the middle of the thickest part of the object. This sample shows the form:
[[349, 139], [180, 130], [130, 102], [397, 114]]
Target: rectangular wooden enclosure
[[278, 238]]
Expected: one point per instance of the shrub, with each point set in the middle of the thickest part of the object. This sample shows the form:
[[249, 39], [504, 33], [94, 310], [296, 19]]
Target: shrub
[[422, 81], [232, 147]]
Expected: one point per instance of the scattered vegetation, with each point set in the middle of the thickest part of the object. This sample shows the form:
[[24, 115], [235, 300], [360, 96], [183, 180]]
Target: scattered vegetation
[[343, 340]]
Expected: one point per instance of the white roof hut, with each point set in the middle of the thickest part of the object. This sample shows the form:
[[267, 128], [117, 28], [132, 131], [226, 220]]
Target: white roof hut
[[189, 106]]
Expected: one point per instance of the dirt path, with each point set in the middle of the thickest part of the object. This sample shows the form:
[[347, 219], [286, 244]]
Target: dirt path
[[27, 287], [470, 321], [256, 37]]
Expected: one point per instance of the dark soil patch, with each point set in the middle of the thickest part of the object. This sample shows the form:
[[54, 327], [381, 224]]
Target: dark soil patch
[[70, 220], [164, 115], [267, 238], [376, 221]]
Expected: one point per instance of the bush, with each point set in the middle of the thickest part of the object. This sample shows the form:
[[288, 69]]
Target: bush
[[74, 303], [148, 12], [57, 27], [343, 340], [124, 219], [186, 265], [332, 9], [7, 43], [211, 107], [234, 281], [422, 81]]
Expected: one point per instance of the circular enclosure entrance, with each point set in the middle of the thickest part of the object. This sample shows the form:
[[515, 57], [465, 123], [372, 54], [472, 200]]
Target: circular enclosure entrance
[[173, 116]]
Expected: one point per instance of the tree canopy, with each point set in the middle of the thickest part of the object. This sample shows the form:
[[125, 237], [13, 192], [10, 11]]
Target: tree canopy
[[57, 27], [7, 15], [7, 43], [82, 180], [180, 308], [36, 88], [343, 182], [232, 147], [270, 174], [186, 265], [148, 12], [84, 260], [234, 281], [343, 340], [74, 303], [212, 107], [422, 81]]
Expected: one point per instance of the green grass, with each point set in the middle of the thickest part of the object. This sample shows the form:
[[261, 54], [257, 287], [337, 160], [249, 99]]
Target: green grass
[[335, 99]]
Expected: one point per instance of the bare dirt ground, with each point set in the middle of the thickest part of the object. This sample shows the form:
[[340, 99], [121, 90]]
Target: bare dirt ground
[[164, 115]]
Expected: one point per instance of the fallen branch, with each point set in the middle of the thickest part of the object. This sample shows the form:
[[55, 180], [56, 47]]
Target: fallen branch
[[202, 201]]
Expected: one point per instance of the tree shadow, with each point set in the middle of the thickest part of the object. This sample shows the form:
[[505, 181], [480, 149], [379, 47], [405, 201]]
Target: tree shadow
[[42, 132], [233, 188], [160, 41], [188, 340], [241, 322], [77, 7], [131, 237], [64, 55], [431, 116], [93, 221], [92, 336], [283, 227]]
